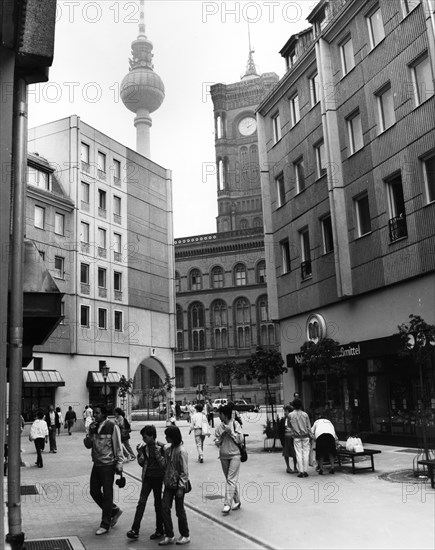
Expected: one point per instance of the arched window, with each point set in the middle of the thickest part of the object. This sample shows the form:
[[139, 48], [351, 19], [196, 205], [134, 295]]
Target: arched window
[[261, 272], [195, 279], [217, 277], [222, 173], [180, 327], [243, 323], [258, 222], [177, 282], [196, 327], [219, 322], [240, 277], [266, 335], [198, 376], [253, 165], [244, 224]]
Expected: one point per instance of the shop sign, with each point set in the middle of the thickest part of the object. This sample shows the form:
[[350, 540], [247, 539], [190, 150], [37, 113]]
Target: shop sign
[[349, 350]]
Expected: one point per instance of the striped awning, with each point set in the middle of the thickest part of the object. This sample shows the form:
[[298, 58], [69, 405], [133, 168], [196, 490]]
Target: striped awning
[[95, 378], [42, 378]]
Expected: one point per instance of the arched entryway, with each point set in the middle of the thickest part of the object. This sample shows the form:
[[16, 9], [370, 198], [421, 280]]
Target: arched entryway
[[148, 378]]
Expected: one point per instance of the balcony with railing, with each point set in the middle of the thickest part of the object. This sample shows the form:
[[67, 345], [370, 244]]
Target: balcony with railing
[[397, 228], [306, 271]]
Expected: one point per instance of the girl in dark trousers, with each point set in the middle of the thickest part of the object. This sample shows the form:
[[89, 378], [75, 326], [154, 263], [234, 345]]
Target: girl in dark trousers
[[175, 479]]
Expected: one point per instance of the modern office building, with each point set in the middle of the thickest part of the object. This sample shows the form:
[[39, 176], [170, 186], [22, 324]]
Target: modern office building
[[100, 216], [222, 304], [347, 142]]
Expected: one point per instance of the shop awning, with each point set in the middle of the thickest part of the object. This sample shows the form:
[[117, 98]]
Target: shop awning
[[46, 378], [95, 379]]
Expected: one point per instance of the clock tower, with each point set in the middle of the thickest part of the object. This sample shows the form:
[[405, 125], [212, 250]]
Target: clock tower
[[236, 144]]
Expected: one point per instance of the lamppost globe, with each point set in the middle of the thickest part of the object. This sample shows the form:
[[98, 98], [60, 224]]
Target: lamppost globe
[[105, 372]]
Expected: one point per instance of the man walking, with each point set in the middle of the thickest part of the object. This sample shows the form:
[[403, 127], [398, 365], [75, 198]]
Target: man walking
[[104, 438], [53, 423], [70, 419], [301, 432]]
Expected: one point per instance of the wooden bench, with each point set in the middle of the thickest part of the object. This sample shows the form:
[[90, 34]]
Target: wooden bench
[[430, 469], [343, 453]]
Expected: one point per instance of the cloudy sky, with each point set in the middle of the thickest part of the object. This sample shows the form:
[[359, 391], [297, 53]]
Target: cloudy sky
[[196, 44]]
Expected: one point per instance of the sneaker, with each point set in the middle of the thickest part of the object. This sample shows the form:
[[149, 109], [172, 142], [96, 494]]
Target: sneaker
[[132, 534], [301, 475], [236, 506], [226, 509], [115, 518], [305, 474], [201, 459], [183, 540], [321, 472], [332, 471], [166, 541], [156, 535], [101, 531], [289, 471]]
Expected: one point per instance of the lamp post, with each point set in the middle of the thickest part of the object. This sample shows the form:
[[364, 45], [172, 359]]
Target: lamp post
[[220, 389], [105, 372]]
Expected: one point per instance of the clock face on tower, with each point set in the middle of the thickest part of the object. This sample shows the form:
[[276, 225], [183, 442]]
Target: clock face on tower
[[247, 126]]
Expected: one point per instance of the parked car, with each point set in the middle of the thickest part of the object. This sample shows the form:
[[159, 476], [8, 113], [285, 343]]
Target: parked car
[[218, 403], [243, 406]]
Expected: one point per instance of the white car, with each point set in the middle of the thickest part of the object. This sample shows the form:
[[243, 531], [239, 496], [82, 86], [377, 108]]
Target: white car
[[218, 403]]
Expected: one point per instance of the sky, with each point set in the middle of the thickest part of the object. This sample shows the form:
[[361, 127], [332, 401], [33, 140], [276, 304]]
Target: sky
[[196, 44]]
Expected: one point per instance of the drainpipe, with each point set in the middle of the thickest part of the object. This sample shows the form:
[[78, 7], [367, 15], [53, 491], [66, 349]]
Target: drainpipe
[[15, 537]]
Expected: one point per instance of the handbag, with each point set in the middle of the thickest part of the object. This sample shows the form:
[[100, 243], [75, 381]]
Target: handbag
[[242, 449], [188, 487]]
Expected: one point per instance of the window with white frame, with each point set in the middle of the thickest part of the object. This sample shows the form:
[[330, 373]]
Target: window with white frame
[[102, 277], [347, 55], [101, 162], [84, 316], [39, 217], [84, 153], [362, 211], [117, 243], [116, 171], [276, 128], [280, 190], [320, 153], [409, 5], [285, 256], [38, 178], [385, 102], [117, 281], [240, 275], [375, 27], [354, 129], [85, 192], [84, 232], [84, 273], [102, 238], [422, 79], [116, 205], [295, 114], [306, 271], [59, 267], [327, 237], [396, 202], [429, 177], [102, 318], [59, 223], [102, 199], [118, 326], [298, 166], [315, 89]]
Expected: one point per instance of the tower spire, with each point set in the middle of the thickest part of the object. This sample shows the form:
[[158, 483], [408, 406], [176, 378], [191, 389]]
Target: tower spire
[[251, 70], [142, 19]]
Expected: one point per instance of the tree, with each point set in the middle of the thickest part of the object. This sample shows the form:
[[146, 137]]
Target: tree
[[265, 365], [229, 371], [417, 343], [125, 388], [165, 390]]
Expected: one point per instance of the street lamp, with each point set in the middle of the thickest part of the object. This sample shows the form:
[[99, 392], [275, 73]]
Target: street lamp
[[105, 372], [220, 389]]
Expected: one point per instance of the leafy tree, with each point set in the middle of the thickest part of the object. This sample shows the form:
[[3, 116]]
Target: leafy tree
[[265, 365], [165, 390], [320, 355], [125, 388], [229, 371]]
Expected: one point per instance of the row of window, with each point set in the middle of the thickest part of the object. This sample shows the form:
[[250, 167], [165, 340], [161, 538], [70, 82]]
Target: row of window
[[101, 165], [397, 225], [85, 318], [198, 376], [217, 277], [220, 326], [102, 202], [116, 244], [102, 277], [39, 220]]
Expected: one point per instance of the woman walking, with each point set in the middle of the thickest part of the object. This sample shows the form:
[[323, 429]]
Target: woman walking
[[288, 448], [199, 426], [228, 437], [176, 479], [299, 422], [125, 428], [326, 438], [39, 435]]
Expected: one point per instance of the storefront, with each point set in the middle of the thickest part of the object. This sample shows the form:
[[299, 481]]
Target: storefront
[[103, 391], [376, 392], [39, 391]]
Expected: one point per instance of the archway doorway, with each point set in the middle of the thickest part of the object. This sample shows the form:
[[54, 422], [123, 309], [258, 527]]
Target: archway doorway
[[148, 395]]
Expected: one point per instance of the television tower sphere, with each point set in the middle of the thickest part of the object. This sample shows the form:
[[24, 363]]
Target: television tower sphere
[[142, 90]]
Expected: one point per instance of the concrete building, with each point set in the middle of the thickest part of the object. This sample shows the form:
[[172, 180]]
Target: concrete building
[[100, 215], [347, 140], [222, 304]]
